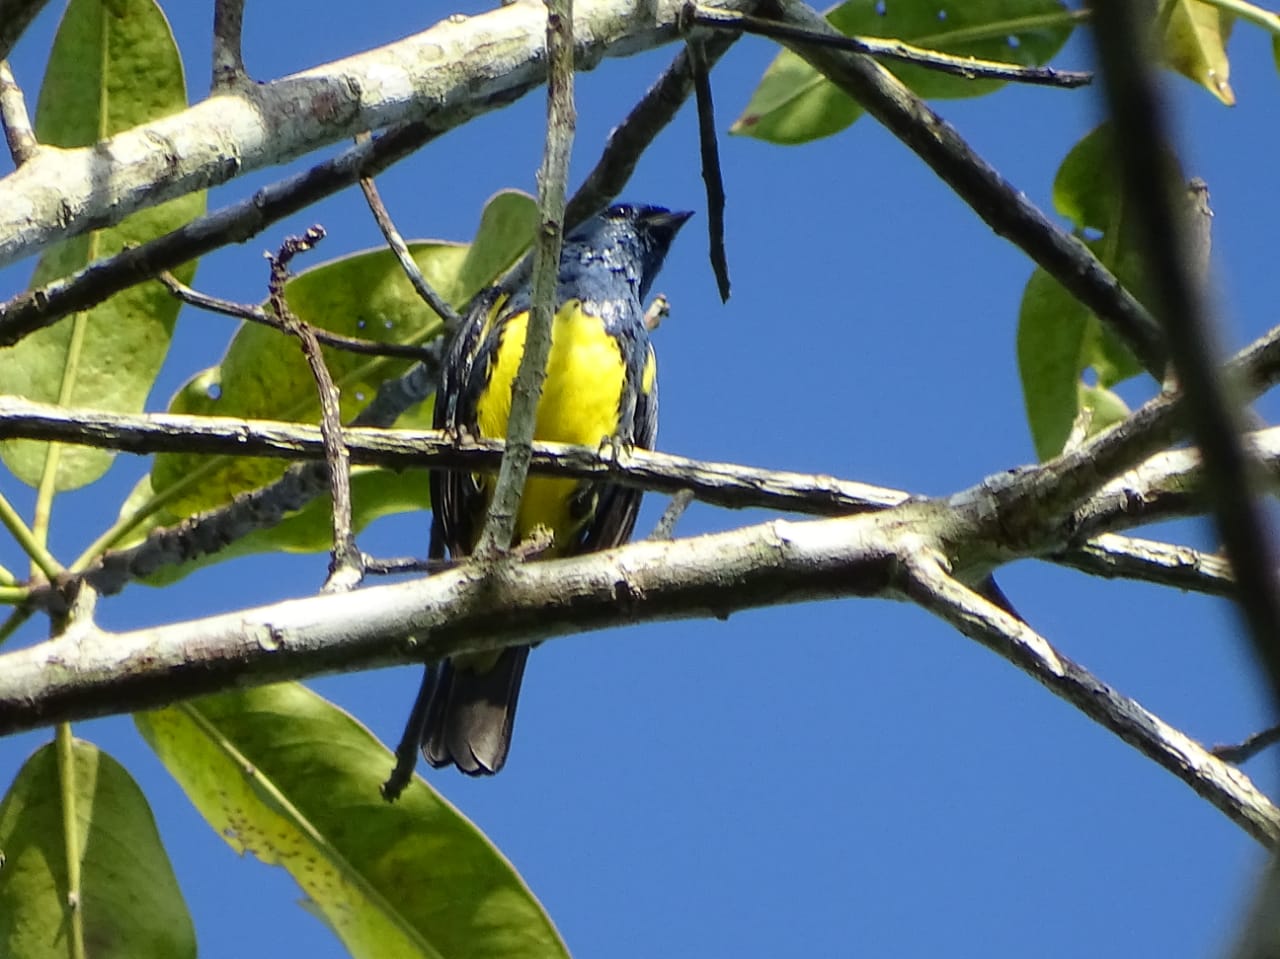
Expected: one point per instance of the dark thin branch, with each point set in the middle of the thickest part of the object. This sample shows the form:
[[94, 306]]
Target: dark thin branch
[[236, 223], [632, 137], [228, 60], [500, 524], [18, 133], [345, 566], [255, 314], [1212, 410], [971, 68], [15, 17], [711, 173], [1004, 208], [401, 250], [1241, 752], [1022, 493], [671, 515]]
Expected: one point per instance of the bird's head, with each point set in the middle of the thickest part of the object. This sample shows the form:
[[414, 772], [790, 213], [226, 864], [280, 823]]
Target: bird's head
[[630, 237]]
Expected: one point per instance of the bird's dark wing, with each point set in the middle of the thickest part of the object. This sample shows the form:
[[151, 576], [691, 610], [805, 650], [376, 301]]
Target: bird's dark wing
[[457, 502]]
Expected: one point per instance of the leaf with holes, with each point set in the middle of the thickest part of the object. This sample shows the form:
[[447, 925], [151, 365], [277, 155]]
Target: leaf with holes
[[281, 773]]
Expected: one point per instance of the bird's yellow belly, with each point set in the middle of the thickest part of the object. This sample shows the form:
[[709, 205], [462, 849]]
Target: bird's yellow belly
[[580, 405]]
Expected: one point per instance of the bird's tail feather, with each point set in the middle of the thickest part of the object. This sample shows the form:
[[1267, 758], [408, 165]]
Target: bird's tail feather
[[471, 712]]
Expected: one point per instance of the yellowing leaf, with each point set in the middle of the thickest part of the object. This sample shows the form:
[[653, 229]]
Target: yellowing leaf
[[1193, 41]]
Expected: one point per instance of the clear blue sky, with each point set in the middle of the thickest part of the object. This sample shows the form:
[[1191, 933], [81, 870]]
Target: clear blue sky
[[846, 778]]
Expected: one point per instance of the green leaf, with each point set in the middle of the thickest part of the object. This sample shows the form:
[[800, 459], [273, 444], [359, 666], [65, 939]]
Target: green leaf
[[263, 374], [794, 103], [374, 493], [106, 73], [282, 773], [1105, 408], [1193, 40], [1058, 338], [130, 901]]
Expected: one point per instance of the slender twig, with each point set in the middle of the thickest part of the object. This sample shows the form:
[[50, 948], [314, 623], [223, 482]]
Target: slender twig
[[401, 250], [36, 309], [1240, 752], [671, 515], [1125, 557], [1142, 137], [13, 117], [228, 59], [26, 538], [971, 68], [396, 565], [255, 314], [929, 585], [345, 563], [500, 525], [15, 17], [1004, 208], [208, 532], [711, 173], [633, 135]]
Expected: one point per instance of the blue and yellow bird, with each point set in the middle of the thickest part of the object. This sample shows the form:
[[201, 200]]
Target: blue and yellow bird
[[601, 385]]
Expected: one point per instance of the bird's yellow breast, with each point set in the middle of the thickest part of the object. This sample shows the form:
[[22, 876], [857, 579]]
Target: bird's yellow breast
[[580, 404]]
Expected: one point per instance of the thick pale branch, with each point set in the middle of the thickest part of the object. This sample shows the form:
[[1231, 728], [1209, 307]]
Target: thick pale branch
[[442, 77], [464, 609], [236, 223], [15, 17], [1224, 786]]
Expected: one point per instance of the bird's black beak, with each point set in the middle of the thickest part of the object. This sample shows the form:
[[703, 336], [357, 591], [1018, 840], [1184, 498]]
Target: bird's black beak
[[666, 224]]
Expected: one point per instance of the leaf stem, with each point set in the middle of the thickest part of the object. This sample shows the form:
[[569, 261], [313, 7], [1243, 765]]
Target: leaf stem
[[27, 539], [1247, 11], [71, 835]]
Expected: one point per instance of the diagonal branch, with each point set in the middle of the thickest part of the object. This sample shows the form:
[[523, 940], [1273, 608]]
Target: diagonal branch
[[1213, 411], [929, 585], [235, 223], [1005, 209]]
